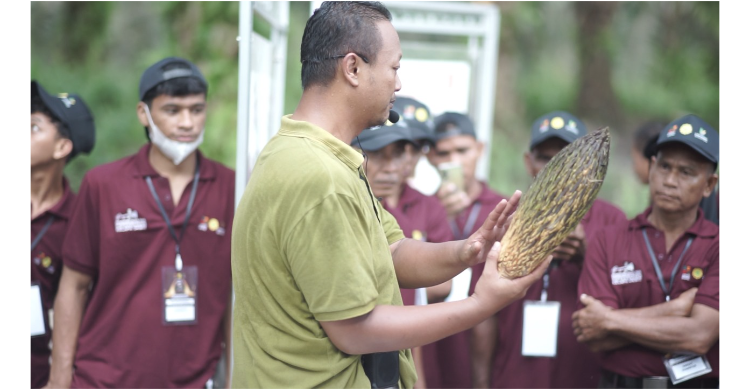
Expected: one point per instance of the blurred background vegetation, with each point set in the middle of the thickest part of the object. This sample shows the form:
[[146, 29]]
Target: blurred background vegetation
[[613, 64]]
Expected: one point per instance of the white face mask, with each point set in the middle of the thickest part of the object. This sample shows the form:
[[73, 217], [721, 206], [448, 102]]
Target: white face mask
[[175, 150]]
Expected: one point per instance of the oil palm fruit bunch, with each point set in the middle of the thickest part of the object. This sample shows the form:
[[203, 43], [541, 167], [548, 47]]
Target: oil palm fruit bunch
[[558, 198]]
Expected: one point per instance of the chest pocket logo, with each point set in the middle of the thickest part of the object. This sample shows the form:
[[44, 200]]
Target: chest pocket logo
[[211, 224], [129, 221], [45, 262], [626, 274]]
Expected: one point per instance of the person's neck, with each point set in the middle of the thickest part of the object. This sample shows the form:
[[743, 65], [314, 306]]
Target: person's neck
[[323, 108], [673, 224], [46, 187], [473, 189], [164, 166]]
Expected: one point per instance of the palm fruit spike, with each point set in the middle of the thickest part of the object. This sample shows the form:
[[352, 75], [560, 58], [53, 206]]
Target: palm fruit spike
[[558, 198]]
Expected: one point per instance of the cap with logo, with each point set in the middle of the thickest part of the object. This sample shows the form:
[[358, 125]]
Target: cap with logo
[[693, 132], [167, 69], [71, 110], [378, 137], [416, 115], [559, 124], [451, 124]]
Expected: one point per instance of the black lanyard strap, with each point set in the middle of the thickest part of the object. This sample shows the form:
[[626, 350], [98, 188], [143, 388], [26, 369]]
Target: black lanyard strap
[[187, 213], [658, 268], [469, 223], [41, 232]]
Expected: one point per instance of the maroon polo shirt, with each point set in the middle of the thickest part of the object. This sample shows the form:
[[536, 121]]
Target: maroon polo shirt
[[46, 268], [574, 366], [123, 342], [447, 362], [422, 218], [619, 254]]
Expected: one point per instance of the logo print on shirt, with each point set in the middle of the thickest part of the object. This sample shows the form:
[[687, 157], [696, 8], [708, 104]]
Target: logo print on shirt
[[686, 272], [626, 274], [45, 262], [129, 221], [697, 273], [211, 224]]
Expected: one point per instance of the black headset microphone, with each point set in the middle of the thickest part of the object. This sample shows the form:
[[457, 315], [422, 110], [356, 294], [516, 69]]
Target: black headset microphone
[[393, 116]]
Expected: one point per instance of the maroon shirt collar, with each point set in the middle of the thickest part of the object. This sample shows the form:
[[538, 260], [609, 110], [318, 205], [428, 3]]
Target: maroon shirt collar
[[63, 207], [143, 167], [408, 197], [701, 227]]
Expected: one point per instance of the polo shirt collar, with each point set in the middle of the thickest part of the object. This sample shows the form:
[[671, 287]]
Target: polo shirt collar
[[408, 196], [302, 129], [701, 227], [62, 208], [143, 167]]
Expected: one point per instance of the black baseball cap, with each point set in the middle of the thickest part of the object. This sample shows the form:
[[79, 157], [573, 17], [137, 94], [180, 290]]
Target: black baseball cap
[[167, 69], [461, 125], [378, 137], [71, 110], [694, 132], [416, 115], [560, 124]]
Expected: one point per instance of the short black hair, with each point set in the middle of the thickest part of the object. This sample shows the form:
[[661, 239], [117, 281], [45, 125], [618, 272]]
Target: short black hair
[[181, 86], [37, 105], [335, 29], [646, 135]]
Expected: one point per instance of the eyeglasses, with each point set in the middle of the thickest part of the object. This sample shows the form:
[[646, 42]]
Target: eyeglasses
[[337, 57]]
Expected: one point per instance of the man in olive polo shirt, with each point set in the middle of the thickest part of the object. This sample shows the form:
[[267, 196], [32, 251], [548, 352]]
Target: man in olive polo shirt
[[635, 272], [316, 260]]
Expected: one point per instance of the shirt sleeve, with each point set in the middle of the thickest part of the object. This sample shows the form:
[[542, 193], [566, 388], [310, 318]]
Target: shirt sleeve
[[595, 278], [331, 259], [391, 227], [708, 291], [80, 249]]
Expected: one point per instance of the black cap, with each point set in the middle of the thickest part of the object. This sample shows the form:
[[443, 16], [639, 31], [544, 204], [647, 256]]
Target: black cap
[[378, 137], [166, 70], [71, 110], [558, 124], [694, 132], [462, 125], [416, 116]]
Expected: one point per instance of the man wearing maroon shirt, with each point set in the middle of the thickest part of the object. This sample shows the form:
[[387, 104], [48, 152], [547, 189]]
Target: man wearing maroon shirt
[[669, 251], [421, 217], [61, 127], [143, 300], [497, 344], [447, 361]]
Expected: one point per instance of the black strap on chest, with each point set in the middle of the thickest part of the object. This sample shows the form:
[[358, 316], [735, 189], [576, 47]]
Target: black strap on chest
[[470, 222], [39, 236], [657, 268]]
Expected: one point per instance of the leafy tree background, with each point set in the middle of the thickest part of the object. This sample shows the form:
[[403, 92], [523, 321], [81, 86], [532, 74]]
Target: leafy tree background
[[612, 64]]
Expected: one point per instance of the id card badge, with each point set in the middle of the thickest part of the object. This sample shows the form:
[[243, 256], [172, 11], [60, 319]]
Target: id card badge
[[179, 295], [37, 312], [682, 367], [540, 323]]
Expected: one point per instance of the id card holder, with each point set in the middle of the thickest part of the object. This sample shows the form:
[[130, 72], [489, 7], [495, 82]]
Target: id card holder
[[37, 312], [540, 328], [179, 295], [682, 367]]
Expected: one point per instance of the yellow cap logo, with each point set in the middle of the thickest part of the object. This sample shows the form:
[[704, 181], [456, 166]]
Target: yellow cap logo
[[557, 123], [697, 273], [686, 129], [421, 114], [213, 224]]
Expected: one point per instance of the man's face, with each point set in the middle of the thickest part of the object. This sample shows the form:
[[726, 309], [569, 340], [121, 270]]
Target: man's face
[[386, 169], [383, 81], [540, 155], [679, 178], [46, 143], [463, 149], [180, 118]]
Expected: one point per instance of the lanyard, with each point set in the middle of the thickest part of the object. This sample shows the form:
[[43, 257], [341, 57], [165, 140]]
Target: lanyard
[[545, 279], [178, 257], [469, 223], [658, 269], [41, 232], [369, 192]]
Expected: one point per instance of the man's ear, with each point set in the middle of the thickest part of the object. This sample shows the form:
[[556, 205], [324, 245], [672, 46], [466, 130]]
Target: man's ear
[[480, 148], [63, 147], [350, 68], [141, 112], [712, 180]]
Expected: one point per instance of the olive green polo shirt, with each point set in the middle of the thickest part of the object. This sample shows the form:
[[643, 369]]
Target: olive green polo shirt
[[310, 243]]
